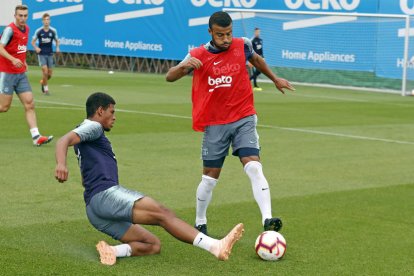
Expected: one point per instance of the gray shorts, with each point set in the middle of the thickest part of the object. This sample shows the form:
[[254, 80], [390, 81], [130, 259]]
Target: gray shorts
[[110, 211], [10, 83], [46, 60], [218, 138]]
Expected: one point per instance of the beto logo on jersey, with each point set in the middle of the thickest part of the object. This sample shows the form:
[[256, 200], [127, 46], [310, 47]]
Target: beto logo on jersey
[[21, 49], [221, 75]]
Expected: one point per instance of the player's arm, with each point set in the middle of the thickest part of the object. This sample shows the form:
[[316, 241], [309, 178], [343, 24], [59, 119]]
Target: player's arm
[[57, 45], [183, 68], [62, 145], [37, 49], [5, 38], [34, 39], [280, 83], [57, 42]]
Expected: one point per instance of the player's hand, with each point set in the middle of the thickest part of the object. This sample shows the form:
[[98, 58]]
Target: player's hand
[[283, 84], [192, 63], [37, 49], [61, 173], [17, 63], [250, 65]]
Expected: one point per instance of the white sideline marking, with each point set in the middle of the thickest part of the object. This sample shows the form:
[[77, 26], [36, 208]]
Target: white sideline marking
[[60, 11], [313, 22], [133, 14], [401, 32], [204, 20], [259, 125], [339, 135]]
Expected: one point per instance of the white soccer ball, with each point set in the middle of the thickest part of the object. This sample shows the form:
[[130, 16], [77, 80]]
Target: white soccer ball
[[270, 246]]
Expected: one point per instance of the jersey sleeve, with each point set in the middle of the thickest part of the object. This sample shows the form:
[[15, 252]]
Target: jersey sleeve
[[36, 33], [6, 35], [187, 57], [248, 48], [89, 131], [56, 37]]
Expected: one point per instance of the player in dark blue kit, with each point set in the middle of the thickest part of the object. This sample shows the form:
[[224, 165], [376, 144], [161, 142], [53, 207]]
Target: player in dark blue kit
[[115, 210], [257, 44], [45, 35]]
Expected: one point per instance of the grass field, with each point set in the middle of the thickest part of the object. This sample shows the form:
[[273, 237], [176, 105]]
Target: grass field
[[340, 165]]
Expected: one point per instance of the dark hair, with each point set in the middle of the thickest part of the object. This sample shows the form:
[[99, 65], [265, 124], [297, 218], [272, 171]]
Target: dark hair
[[45, 15], [96, 100], [220, 18]]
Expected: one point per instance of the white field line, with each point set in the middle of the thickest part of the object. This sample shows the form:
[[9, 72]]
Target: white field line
[[309, 131]]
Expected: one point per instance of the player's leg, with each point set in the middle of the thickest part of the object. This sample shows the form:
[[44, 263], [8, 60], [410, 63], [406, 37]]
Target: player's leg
[[150, 212], [137, 241], [141, 241], [215, 146], [23, 90], [110, 212], [49, 73], [50, 65], [45, 78], [246, 146], [5, 102], [7, 83]]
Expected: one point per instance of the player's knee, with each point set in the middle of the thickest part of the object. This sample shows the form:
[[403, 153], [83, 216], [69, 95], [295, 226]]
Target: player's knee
[[156, 248], [165, 215], [29, 106], [4, 107]]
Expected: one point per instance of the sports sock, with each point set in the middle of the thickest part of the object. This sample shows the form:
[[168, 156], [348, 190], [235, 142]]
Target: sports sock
[[260, 188], [204, 195], [122, 250], [34, 132], [207, 243], [46, 87]]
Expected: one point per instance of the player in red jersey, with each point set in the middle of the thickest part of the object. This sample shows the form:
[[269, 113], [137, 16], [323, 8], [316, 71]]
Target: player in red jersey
[[223, 108], [13, 67]]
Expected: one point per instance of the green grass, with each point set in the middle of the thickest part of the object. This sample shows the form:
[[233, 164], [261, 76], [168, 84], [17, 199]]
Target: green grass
[[339, 164]]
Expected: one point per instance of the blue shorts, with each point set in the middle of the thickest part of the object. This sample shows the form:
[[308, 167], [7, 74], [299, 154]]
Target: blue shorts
[[46, 60], [110, 211], [240, 134], [10, 83]]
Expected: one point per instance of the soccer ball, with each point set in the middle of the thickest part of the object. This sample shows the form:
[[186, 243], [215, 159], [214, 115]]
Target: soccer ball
[[270, 246]]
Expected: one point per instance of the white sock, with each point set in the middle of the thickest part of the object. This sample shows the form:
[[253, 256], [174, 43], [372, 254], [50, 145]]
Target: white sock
[[260, 188], [122, 250], [204, 195], [34, 132], [207, 243], [46, 88]]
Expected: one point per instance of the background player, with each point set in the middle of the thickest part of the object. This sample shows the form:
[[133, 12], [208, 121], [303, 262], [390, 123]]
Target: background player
[[13, 67], [45, 35], [115, 210], [223, 108], [257, 43]]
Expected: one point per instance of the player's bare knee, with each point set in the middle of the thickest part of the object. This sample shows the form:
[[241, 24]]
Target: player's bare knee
[[156, 248], [4, 108], [165, 214], [29, 106]]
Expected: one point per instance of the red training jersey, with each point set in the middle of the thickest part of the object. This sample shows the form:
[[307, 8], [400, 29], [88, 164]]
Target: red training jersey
[[17, 48], [221, 92]]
